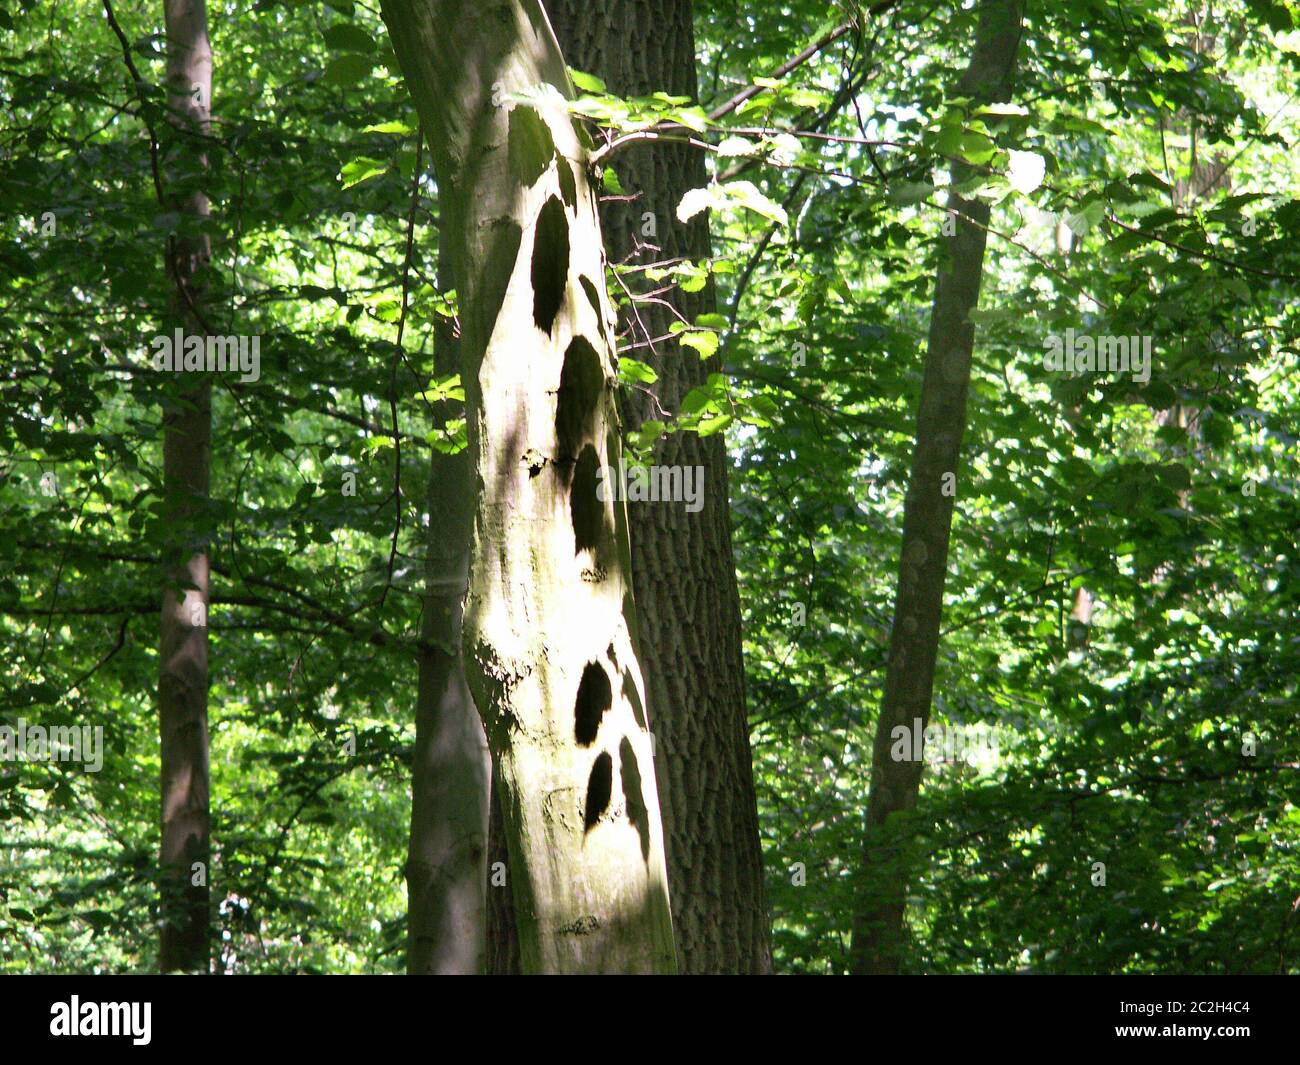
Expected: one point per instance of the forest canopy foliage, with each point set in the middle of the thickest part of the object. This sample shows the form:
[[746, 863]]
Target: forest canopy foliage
[[1114, 744]]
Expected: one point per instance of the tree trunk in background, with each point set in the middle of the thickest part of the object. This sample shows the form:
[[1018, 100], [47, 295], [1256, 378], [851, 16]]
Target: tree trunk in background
[[1203, 179], [502, 935], [927, 519], [684, 573], [187, 457], [549, 622], [451, 771]]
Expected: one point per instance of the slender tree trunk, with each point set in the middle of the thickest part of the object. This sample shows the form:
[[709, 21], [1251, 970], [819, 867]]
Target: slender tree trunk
[[927, 519], [1203, 179], [451, 766], [688, 605], [187, 455], [549, 626]]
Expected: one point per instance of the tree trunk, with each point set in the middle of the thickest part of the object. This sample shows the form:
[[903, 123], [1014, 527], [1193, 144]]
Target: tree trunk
[[451, 771], [502, 934], [927, 518], [549, 626], [187, 455], [684, 573]]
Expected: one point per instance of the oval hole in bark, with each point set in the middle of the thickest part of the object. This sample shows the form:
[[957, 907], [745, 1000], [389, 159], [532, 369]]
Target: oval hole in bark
[[585, 508], [568, 187], [550, 269], [629, 617], [636, 808], [634, 700], [593, 297], [503, 250], [581, 380], [529, 144], [594, 699], [600, 785]]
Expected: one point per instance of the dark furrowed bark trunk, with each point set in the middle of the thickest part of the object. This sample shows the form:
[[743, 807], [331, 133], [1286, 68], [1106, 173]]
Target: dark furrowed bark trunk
[[451, 771], [187, 453], [502, 935], [878, 925], [549, 624], [688, 607]]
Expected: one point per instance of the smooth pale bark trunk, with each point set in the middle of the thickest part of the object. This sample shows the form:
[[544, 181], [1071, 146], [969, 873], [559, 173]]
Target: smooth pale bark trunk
[[684, 574], [549, 625], [187, 454], [451, 771], [1205, 178], [878, 936]]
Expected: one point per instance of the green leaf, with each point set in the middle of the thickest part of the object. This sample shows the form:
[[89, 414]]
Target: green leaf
[[450, 440], [347, 69], [977, 148], [692, 278], [948, 143], [348, 37], [611, 183], [631, 370], [747, 195], [696, 400], [693, 118], [448, 388], [716, 424], [1025, 171], [695, 201], [1003, 109], [390, 127], [731, 194], [1082, 222], [362, 169], [586, 82], [730, 147], [906, 193], [705, 343], [651, 430], [1238, 288]]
